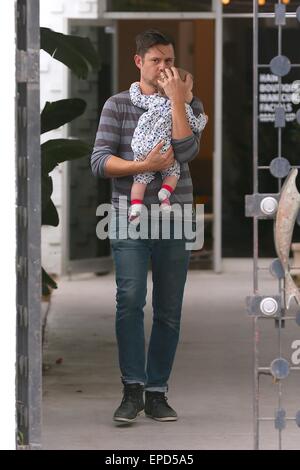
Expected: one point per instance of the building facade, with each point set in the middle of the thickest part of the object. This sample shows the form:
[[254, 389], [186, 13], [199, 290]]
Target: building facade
[[214, 41]]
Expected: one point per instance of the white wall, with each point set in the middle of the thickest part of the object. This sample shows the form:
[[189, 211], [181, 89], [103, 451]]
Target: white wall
[[8, 232], [54, 14]]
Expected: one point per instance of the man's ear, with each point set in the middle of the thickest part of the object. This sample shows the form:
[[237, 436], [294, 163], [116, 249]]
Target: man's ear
[[138, 61]]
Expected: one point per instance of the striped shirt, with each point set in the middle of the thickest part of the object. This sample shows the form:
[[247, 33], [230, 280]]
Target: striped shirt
[[118, 121]]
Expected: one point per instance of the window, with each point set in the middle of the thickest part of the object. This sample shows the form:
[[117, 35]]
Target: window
[[246, 6], [159, 5]]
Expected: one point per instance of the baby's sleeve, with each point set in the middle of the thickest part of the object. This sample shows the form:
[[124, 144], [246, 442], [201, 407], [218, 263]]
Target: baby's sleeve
[[197, 123]]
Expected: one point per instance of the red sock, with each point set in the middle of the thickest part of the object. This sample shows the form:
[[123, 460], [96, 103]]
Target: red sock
[[136, 201], [168, 188]]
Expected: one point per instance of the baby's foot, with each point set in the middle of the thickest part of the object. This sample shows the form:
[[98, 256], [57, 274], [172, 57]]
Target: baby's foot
[[134, 213], [165, 205], [163, 194]]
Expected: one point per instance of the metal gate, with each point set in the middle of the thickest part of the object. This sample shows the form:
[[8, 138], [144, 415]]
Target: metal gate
[[28, 226], [263, 206]]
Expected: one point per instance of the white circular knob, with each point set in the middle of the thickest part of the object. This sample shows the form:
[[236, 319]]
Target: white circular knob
[[268, 205], [268, 306]]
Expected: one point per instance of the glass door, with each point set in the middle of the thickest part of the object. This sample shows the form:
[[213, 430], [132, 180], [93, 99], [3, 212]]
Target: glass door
[[84, 251]]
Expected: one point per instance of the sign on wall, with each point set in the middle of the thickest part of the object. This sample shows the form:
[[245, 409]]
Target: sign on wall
[[268, 97]]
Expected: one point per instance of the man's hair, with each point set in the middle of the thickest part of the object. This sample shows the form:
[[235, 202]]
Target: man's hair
[[151, 37]]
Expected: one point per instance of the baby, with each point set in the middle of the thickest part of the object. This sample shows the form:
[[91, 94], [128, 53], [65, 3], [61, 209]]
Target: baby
[[154, 126]]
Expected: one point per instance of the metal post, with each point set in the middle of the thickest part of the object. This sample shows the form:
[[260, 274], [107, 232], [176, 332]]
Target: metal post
[[255, 225], [8, 236], [217, 161], [29, 377]]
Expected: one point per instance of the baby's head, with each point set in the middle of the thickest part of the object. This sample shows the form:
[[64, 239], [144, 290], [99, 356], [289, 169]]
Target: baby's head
[[183, 75]]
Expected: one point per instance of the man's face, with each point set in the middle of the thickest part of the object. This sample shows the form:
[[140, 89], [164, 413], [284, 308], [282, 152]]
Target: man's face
[[156, 59]]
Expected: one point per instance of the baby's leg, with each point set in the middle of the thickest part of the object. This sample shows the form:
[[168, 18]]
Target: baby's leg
[[168, 186], [138, 191], [136, 201]]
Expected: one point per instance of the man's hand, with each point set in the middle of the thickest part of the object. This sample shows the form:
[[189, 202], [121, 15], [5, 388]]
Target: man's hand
[[116, 167], [157, 161], [173, 86]]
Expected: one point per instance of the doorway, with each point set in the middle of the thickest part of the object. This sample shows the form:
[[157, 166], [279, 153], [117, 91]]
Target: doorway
[[195, 51]]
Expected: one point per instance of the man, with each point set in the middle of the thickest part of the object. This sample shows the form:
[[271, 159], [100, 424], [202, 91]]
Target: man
[[112, 157]]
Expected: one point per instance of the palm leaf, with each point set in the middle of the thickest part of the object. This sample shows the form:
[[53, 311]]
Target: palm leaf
[[56, 151], [60, 112], [75, 52], [47, 282], [50, 214]]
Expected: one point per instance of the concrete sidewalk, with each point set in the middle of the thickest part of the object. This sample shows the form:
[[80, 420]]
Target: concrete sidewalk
[[211, 383]]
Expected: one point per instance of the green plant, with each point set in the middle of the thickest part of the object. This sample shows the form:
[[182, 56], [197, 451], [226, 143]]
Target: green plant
[[79, 55]]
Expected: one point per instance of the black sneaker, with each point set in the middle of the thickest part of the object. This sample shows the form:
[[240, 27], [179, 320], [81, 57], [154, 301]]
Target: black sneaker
[[132, 403], [156, 407]]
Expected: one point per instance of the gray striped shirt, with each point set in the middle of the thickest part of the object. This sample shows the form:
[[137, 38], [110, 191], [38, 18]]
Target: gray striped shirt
[[118, 121]]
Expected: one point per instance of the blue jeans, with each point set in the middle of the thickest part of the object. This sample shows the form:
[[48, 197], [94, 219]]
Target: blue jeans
[[170, 262]]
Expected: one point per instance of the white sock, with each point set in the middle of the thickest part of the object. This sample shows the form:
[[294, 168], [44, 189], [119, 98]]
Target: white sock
[[135, 209], [134, 214], [165, 205], [163, 194]]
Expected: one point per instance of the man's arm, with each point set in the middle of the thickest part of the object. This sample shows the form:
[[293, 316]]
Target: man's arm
[[175, 89], [107, 138], [185, 142], [180, 126], [155, 161], [187, 149]]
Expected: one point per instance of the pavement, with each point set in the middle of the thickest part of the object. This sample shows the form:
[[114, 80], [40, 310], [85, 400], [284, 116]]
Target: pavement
[[211, 385]]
